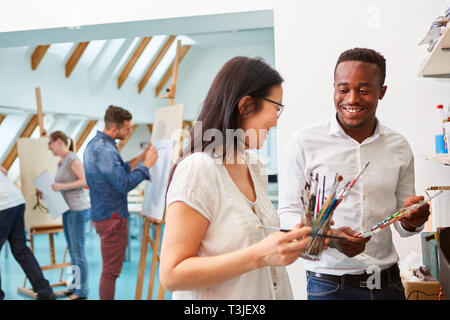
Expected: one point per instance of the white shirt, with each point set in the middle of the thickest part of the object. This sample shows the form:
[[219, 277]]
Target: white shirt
[[326, 149], [10, 196], [204, 184]]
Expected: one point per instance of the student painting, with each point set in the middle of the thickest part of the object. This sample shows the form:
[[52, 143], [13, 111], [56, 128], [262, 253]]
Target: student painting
[[70, 180], [110, 179], [217, 196]]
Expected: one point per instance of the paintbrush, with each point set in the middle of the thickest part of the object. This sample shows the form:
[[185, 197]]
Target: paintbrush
[[260, 226]]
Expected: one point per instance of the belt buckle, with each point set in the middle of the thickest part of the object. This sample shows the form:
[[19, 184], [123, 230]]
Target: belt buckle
[[363, 283]]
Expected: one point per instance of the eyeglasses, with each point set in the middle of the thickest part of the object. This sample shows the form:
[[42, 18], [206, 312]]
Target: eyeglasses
[[279, 110]]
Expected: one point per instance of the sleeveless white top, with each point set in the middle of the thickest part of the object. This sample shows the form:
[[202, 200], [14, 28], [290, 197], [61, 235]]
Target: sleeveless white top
[[203, 183]]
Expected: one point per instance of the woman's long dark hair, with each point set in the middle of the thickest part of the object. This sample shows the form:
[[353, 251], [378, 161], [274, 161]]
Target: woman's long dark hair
[[239, 77]]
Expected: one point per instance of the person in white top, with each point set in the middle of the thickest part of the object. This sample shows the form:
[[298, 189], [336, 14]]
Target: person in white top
[[345, 143], [12, 228], [217, 197]]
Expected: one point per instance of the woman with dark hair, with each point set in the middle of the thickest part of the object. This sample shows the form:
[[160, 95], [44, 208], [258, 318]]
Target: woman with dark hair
[[217, 196], [70, 180]]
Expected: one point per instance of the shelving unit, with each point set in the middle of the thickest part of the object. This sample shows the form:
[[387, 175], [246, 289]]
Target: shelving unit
[[437, 65], [441, 158]]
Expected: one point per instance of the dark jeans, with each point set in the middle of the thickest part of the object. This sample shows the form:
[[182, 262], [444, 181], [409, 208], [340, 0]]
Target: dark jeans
[[322, 289], [12, 228]]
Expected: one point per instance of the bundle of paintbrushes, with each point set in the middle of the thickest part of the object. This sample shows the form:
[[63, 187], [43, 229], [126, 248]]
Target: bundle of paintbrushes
[[318, 210]]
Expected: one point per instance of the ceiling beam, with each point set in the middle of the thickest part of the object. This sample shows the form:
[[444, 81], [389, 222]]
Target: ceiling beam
[[37, 55], [124, 141], [84, 134], [26, 133], [132, 61], [2, 117], [75, 57], [155, 63], [168, 74]]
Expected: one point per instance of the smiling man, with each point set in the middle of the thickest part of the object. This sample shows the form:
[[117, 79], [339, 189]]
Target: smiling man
[[345, 143]]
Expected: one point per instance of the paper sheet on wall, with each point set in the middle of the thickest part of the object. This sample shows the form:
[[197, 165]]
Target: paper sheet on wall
[[155, 191], [54, 200]]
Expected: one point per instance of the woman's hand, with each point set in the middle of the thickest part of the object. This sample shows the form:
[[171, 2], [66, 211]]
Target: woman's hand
[[57, 186], [282, 248]]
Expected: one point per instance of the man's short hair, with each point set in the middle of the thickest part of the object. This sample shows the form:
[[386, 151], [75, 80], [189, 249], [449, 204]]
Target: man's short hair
[[116, 116], [365, 55]]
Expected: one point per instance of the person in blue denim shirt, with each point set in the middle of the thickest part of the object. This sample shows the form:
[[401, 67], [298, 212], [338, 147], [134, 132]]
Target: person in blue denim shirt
[[110, 179]]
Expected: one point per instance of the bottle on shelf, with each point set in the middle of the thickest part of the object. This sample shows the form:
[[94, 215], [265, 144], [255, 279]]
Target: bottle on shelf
[[441, 115], [446, 133]]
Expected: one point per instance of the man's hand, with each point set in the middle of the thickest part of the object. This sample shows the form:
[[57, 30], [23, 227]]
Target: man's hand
[[352, 245], [151, 156], [142, 155], [416, 218]]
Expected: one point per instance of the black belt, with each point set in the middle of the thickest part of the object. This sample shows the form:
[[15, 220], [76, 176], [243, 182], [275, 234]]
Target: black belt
[[387, 276]]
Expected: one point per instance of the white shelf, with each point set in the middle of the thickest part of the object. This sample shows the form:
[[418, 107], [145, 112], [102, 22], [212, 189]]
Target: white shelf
[[437, 65], [441, 158]]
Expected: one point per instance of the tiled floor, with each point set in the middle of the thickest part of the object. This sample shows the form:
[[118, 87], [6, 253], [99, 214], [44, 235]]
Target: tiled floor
[[13, 276]]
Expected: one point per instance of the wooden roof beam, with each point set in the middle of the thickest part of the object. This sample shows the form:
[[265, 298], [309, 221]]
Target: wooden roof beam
[[155, 63], [2, 117], [26, 133], [132, 61], [37, 55], [84, 134], [75, 57], [168, 74]]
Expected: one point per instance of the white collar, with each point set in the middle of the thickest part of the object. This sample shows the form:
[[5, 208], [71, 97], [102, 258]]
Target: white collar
[[337, 130]]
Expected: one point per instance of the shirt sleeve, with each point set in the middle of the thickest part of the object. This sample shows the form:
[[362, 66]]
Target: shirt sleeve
[[118, 173], [405, 188], [290, 183], [196, 183]]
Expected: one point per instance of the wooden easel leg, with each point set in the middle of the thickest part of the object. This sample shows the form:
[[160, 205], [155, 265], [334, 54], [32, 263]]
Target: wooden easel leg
[[52, 248], [62, 270], [154, 260], [53, 265], [143, 260], [161, 291]]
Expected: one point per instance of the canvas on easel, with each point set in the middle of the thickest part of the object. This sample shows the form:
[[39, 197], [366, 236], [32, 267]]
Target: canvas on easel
[[35, 158], [167, 126], [165, 137]]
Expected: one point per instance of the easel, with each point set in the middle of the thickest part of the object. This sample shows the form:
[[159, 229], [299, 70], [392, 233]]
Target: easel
[[148, 222], [45, 229], [50, 230]]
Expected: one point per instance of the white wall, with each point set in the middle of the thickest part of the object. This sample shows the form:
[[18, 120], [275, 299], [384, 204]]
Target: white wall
[[309, 36]]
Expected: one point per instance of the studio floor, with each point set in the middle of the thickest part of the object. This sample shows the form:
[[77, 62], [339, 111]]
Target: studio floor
[[13, 277]]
